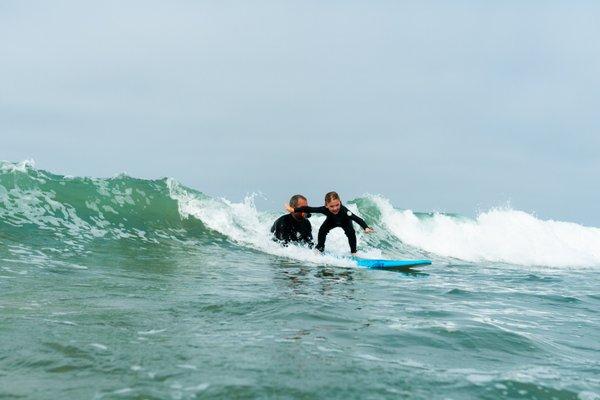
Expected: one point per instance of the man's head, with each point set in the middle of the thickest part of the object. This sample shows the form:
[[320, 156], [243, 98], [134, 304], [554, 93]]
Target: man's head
[[298, 200]]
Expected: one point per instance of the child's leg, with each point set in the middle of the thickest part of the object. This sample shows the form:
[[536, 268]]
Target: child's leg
[[323, 231], [351, 234]]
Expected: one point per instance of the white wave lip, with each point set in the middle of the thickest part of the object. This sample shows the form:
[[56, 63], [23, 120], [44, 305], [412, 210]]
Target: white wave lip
[[498, 235], [23, 166]]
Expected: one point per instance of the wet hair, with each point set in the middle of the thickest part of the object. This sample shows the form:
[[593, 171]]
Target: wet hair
[[331, 196], [295, 198]]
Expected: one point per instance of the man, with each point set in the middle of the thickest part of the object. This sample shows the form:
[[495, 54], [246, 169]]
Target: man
[[294, 227]]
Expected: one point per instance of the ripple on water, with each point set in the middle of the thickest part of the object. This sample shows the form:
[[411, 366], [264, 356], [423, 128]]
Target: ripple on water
[[69, 351], [56, 359], [459, 292], [455, 335], [594, 296], [539, 278], [560, 299], [513, 389]]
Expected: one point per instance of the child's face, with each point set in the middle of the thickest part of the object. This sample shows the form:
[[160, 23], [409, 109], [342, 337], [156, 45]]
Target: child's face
[[334, 206]]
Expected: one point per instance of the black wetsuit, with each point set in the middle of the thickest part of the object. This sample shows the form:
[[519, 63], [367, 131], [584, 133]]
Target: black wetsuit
[[289, 229], [342, 219]]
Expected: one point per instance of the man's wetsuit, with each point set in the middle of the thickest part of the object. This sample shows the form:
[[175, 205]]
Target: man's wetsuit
[[342, 219], [289, 229]]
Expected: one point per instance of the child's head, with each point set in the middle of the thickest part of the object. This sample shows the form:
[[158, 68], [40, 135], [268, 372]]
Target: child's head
[[333, 202]]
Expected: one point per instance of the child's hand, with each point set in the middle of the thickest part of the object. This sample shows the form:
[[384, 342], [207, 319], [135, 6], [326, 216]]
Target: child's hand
[[288, 208], [369, 230]]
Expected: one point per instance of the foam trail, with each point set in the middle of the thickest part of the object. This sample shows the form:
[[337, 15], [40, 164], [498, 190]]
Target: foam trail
[[242, 223], [499, 235]]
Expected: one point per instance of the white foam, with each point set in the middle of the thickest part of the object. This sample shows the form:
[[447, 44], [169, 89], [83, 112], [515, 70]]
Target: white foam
[[587, 395], [23, 206], [151, 332], [187, 366], [22, 166], [498, 235], [242, 223], [198, 388]]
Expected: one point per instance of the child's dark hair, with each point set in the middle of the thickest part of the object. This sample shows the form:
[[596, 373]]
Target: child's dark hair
[[295, 198], [331, 196]]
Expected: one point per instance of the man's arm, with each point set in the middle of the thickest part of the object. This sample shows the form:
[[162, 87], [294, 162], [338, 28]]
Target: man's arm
[[274, 227], [277, 230], [307, 234]]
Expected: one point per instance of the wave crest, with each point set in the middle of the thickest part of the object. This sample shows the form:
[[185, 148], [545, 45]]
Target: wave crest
[[499, 235]]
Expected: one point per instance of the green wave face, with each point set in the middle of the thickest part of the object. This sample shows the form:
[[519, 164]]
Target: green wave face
[[38, 206]]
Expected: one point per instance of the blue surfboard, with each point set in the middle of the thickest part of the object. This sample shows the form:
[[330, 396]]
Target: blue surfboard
[[389, 264]]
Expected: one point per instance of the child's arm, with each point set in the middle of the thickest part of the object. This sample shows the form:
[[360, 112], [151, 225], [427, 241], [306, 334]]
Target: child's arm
[[306, 209], [361, 222]]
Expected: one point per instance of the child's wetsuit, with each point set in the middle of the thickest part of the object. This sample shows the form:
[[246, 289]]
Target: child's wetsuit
[[342, 219]]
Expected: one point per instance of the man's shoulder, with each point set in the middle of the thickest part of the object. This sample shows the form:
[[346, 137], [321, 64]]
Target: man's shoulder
[[286, 218], [289, 220], [278, 223]]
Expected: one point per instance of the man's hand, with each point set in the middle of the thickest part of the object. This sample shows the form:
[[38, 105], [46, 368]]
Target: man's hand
[[369, 230]]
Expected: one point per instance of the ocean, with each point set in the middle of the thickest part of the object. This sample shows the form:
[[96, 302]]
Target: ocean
[[125, 288]]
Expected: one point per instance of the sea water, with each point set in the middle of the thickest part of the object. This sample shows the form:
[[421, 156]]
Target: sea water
[[126, 288]]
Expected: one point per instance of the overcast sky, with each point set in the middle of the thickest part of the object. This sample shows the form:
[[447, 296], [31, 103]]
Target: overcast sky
[[453, 106]]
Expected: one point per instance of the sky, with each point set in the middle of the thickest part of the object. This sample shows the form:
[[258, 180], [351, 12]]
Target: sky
[[450, 106]]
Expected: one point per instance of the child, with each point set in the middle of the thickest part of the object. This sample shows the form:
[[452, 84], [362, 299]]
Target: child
[[337, 215]]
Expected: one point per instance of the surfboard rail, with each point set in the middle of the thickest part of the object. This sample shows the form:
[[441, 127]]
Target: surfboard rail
[[389, 264]]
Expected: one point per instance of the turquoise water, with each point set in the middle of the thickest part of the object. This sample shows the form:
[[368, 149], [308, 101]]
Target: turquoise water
[[128, 288]]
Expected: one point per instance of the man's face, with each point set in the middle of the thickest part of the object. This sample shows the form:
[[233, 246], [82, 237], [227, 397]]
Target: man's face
[[334, 206], [301, 203]]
